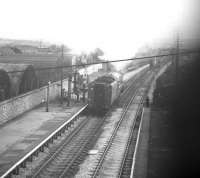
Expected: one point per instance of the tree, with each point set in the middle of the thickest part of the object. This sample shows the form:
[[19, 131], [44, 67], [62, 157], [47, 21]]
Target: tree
[[98, 52]]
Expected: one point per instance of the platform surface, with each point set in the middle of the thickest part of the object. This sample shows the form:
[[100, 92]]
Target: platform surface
[[22, 134]]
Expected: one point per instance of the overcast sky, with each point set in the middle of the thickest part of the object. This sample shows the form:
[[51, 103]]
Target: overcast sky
[[118, 27]]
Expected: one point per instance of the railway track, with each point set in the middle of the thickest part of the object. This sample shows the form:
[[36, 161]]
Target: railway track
[[127, 167], [63, 159], [114, 161], [22, 164], [128, 162], [125, 96], [62, 163]]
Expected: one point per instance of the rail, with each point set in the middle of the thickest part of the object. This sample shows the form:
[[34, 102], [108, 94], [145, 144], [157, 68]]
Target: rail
[[95, 173], [126, 107], [40, 147], [139, 113], [136, 147]]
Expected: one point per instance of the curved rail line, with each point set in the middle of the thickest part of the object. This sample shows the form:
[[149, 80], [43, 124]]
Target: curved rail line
[[136, 148], [61, 149], [40, 147], [130, 152], [14, 170], [63, 161], [110, 142], [128, 163], [60, 162]]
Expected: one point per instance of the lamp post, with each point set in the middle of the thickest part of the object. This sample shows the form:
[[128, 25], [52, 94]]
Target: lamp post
[[69, 90], [61, 80], [47, 102]]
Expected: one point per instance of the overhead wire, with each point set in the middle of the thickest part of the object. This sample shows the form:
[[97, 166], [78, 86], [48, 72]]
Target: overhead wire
[[106, 62]]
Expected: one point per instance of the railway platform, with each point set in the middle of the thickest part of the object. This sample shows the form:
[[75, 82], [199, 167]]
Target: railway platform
[[154, 152], [22, 134], [172, 148]]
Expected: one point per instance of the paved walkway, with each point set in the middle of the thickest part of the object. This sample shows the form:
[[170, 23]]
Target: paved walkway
[[20, 135]]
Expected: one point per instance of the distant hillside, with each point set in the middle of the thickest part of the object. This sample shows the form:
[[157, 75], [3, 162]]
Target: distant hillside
[[20, 42], [9, 47]]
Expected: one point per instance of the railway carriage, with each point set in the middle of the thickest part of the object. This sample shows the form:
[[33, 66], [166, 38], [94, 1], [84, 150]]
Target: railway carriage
[[104, 91]]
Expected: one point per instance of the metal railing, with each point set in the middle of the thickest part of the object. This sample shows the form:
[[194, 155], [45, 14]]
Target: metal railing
[[40, 147]]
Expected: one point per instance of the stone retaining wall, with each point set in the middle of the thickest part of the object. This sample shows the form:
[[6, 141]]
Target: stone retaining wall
[[13, 107]]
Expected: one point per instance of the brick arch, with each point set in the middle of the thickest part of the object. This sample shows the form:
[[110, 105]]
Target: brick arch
[[20, 75], [4, 85], [28, 80]]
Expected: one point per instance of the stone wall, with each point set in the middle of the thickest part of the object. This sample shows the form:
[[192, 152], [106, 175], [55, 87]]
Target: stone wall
[[13, 107]]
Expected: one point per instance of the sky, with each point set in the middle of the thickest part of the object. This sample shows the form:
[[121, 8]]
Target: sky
[[118, 27]]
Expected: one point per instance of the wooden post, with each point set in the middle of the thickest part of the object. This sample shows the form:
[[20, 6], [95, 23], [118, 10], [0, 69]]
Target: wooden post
[[47, 101], [61, 78], [69, 90]]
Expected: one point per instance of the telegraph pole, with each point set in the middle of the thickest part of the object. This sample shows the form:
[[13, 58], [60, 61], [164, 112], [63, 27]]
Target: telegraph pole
[[47, 99], [177, 60], [61, 73], [69, 90]]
